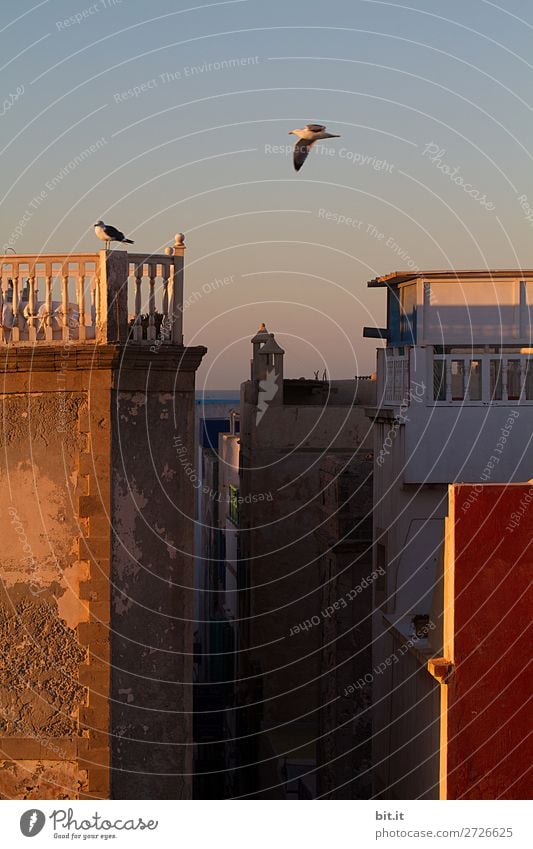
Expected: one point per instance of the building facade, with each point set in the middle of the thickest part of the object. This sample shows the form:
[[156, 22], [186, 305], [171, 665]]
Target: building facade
[[288, 428], [216, 625], [346, 576], [455, 404]]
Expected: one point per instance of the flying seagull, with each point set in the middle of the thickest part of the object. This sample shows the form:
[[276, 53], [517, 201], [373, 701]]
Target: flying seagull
[[109, 234], [306, 139]]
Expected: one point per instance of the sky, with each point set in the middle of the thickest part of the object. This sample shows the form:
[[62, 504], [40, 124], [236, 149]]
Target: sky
[[188, 107]]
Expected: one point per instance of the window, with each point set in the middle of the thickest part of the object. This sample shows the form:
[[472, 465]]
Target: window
[[496, 390], [233, 504], [408, 314], [528, 381], [458, 380], [493, 378], [513, 380], [439, 380], [474, 381], [441, 350]]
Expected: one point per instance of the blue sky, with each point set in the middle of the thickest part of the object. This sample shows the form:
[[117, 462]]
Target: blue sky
[[434, 167]]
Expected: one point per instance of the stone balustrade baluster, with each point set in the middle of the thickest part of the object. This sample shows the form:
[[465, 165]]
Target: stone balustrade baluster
[[18, 320], [64, 302], [165, 322], [48, 319], [96, 299], [152, 272], [137, 327], [32, 306], [81, 302]]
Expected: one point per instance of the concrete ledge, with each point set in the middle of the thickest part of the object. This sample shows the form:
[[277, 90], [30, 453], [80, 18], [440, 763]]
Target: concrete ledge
[[386, 414], [67, 357]]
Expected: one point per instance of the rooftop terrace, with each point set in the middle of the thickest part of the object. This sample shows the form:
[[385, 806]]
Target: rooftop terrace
[[93, 298]]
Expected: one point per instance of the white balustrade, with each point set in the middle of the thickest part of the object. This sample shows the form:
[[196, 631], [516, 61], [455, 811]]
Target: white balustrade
[[58, 298], [396, 380]]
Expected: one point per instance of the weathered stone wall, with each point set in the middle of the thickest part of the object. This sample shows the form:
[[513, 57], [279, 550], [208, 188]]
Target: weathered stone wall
[[152, 576], [93, 488], [53, 595]]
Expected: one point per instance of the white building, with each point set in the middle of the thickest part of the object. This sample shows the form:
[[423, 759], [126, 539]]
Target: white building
[[455, 404], [229, 512]]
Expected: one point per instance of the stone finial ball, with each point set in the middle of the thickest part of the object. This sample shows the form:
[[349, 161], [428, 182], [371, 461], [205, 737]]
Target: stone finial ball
[[180, 238], [168, 251]]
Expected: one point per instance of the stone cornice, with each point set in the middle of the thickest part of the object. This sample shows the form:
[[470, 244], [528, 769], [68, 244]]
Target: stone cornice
[[83, 356]]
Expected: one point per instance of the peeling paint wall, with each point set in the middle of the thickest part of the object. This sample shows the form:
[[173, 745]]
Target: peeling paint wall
[[42, 780], [39, 679], [93, 490], [40, 608]]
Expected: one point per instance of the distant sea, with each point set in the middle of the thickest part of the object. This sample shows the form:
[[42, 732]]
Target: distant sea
[[217, 396]]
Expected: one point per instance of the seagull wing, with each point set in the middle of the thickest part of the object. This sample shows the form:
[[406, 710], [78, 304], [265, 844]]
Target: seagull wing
[[315, 128], [301, 149], [112, 232]]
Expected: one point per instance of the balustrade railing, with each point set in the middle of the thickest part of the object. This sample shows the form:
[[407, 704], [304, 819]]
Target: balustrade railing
[[396, 380], [483, 378], [102, 297], [48, 297], [466, 378]]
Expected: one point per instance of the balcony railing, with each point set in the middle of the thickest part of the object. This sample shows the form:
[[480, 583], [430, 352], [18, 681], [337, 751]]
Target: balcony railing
[[483, 378], [103, 297], [396, 386]]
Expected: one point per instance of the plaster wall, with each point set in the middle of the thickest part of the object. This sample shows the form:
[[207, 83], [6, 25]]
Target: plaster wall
[[281, 460]]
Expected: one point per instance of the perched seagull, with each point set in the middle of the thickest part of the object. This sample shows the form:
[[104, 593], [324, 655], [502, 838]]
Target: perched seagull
[[306, 139], [109, 234]]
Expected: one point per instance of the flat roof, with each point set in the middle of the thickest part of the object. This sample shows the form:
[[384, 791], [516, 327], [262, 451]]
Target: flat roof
[[394, 278]]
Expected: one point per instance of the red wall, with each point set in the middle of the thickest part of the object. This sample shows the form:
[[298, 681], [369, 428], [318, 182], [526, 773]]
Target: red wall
[[488, 715]]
